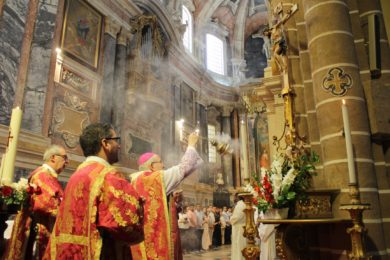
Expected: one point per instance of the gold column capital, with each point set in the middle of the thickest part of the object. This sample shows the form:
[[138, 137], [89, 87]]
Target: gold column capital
[[123, 36], [111, 27]]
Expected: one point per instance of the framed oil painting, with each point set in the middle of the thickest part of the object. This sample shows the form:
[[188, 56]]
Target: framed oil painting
[[81, 32]]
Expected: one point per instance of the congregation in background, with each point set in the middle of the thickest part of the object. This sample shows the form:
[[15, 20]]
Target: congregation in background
[[206, 228]]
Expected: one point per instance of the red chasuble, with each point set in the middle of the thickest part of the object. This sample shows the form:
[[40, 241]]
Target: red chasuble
[[158, 243], [98, 205], [44, 208]]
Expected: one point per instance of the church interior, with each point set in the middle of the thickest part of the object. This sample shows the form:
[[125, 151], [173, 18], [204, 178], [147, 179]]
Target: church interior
[[252, 77]]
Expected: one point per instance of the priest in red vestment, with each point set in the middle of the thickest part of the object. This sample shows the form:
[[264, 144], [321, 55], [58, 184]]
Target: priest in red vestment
[[33, 225], [101, 213], [155, 184]]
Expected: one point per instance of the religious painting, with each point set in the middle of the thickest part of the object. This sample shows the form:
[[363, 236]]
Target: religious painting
[[81, 32], [187, 104]]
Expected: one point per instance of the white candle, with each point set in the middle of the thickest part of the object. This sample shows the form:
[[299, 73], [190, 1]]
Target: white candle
[[348, 143], [10, 153]]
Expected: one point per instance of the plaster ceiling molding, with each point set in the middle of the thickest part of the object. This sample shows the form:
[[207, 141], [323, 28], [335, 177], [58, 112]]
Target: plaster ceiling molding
[[190, 5], [232, 5], [164, 18], [207, 11], [226, 19], [239, 31], [119, 10], [255, 24], [212, 113]]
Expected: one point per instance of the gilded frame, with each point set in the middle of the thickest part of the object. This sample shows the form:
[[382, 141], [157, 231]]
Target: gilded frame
[[81, 32]]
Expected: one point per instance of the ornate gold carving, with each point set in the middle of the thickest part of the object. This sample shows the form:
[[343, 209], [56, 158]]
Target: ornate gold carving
[[75, 81], [251, 251], [357, 231], [337, 82], [137, 25], [69, 118], [280, 252], [316, 206]]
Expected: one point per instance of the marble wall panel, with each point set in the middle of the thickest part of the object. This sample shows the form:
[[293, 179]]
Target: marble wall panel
[[11, 34], [38, 73]]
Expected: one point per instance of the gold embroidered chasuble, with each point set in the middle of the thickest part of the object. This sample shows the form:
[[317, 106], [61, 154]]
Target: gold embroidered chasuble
[[97, 203], [158, 243]]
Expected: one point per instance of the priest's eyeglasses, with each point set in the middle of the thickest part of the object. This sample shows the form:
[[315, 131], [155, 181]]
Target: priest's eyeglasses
[[64, 156], [116, 139]]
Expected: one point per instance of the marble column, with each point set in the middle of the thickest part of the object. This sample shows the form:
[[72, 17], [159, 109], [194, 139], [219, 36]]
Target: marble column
[[25, 52], [107, 102], [227, 160], [120, 72], [336, 65]]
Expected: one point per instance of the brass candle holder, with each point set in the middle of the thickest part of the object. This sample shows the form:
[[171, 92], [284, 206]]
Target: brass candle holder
[[357, 231], [251, 251]]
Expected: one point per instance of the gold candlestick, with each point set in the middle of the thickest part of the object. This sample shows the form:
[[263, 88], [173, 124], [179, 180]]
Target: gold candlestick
[[357, 231], [251, 251]]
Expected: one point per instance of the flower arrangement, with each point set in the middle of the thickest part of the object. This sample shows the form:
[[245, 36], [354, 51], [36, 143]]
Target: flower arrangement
[[17, 193], [285, 182]]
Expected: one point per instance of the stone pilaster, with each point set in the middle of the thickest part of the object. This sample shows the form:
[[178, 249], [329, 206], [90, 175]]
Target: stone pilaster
[[109, 50], [335, 73], [227, 160], [120, 77], [244, 148]]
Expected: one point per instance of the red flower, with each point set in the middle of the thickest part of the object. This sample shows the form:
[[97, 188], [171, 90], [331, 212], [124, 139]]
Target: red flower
[[38, 190], [30, 190], [6, 191]]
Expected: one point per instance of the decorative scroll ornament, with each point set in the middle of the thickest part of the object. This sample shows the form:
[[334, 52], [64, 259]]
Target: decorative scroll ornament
[[75, 81], [70, 117], [337, 82]]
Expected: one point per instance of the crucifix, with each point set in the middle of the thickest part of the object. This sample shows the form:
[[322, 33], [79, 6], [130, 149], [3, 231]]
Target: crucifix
[[279, 53]]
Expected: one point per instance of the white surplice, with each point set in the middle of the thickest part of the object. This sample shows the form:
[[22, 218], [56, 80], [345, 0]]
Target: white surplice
[[238, 222]]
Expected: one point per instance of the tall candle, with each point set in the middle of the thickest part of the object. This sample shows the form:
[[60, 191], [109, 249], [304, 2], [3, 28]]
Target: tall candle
[[348, 143], [2, 166], [10, 153]]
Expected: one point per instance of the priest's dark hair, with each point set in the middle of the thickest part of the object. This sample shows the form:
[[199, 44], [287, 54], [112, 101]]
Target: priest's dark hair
[[91, 137]]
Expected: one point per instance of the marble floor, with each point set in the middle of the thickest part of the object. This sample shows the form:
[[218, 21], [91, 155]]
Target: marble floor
[[221, 253]]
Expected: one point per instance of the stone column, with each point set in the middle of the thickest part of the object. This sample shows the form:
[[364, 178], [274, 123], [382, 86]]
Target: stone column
[[244, 148], [120, 72], [307, 125], [227, 160], [108, 90], [335, 73], [376, 91]]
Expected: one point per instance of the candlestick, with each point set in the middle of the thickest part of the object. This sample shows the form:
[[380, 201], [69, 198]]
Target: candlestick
[[348, 143], [10, 153]]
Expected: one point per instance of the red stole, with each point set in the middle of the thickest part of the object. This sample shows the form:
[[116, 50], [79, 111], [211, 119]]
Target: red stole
[[158, 243]]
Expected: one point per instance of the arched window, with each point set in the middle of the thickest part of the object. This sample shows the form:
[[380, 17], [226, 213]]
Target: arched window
[[187, 37], [215, 54]]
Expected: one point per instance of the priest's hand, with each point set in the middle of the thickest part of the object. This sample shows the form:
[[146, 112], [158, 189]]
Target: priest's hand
[[193, 139]]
